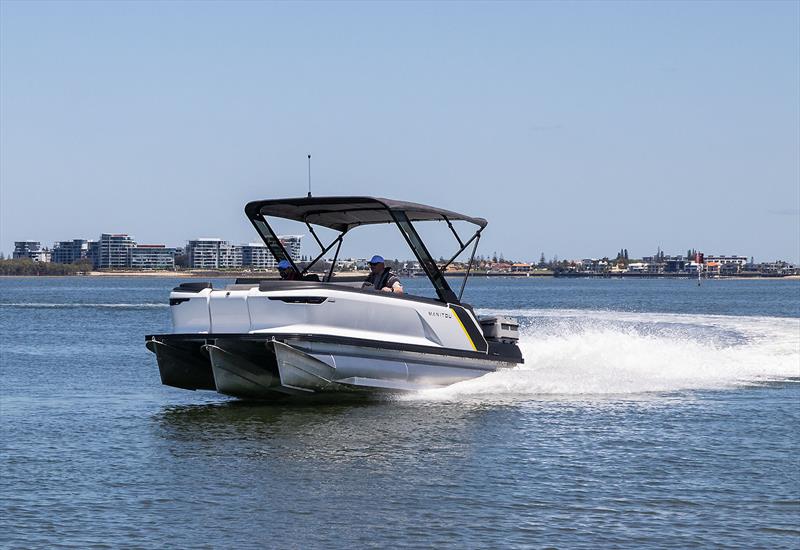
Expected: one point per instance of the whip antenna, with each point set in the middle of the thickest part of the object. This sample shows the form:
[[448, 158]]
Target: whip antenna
[[309, 176]]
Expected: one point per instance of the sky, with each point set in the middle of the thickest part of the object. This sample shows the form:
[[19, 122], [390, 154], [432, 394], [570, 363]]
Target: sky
[[575, 128]]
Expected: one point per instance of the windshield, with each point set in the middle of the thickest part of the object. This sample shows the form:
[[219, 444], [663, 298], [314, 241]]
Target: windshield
[[330, 256]]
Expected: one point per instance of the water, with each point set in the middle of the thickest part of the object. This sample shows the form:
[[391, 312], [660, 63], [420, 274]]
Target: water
[[648, 413]]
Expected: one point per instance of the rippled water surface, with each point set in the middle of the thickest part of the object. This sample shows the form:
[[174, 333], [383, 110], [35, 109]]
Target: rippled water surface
[[648, 413]]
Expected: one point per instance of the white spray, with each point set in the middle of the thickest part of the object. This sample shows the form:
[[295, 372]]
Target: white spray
[[572, 352]]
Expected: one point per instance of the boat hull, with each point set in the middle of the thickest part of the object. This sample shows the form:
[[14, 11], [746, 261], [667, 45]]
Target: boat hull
[[183, 362], [275, 366]]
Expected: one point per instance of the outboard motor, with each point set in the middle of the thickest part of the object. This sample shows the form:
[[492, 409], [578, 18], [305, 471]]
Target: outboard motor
[[500, 328]]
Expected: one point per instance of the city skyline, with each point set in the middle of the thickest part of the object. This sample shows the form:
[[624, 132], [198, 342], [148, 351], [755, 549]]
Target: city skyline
[[295, 248], [121, 253]]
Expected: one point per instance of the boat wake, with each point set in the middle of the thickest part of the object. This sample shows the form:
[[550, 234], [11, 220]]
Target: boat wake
[[577, 352]]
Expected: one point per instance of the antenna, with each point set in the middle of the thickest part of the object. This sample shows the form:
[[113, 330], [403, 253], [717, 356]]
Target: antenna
[[309, 175]]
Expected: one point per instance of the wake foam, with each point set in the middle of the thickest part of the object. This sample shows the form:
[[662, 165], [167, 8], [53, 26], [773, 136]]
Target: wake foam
[[570, 352]]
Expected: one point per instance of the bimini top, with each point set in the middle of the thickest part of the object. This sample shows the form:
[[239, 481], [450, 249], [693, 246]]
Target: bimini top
[[344, 213]]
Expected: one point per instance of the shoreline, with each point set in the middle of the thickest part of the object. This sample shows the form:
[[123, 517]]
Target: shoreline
[[274, 275]]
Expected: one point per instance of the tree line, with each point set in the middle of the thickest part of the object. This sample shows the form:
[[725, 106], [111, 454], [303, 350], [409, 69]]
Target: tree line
[[26, 266]]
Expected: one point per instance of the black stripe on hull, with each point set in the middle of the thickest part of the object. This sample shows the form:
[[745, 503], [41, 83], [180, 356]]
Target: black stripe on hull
[[475, 334], [510, 355]]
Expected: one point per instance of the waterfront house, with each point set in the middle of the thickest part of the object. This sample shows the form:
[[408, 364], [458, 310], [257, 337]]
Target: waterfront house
[[730, 264], [500, 266], [675, 264], [712, 268], [595, 266], [692, 267], [779, 267]]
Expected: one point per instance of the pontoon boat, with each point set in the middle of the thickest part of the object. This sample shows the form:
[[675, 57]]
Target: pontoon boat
[[267, 339]]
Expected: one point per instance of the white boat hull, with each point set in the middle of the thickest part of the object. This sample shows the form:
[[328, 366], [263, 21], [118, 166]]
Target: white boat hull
[[268, 340], [270, 368]]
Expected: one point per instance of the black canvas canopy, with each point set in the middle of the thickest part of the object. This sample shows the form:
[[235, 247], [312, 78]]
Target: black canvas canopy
[[344, 213]]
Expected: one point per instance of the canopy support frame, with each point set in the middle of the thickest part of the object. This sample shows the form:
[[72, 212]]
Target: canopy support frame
[[396, 215], [272, 241], [469, 266]]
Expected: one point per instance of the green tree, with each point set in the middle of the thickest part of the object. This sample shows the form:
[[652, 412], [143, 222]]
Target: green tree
[[26, 266]]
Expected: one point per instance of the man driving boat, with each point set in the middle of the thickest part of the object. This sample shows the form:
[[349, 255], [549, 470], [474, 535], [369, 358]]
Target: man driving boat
[[287, 272], [381, 278]]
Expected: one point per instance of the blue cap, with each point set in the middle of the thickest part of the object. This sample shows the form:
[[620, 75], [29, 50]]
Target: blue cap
[[284, 264], [376, 259]]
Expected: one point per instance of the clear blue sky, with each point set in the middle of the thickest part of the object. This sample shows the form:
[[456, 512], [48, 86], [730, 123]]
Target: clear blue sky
[[575, 128]]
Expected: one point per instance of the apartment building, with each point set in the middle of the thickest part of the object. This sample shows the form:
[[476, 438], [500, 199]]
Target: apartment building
[[213, 253], [112, 251], [151, 256], [257, 256], [292, 244], [67, 252], [32, 250]]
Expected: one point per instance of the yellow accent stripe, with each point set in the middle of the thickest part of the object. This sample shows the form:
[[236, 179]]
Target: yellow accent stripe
[[471, 343]]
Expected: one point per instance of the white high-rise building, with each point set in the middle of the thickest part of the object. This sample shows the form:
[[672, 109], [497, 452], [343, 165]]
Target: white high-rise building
[[112, 251], [213, 253], [292, 245], [152, 256], [258, 256]]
